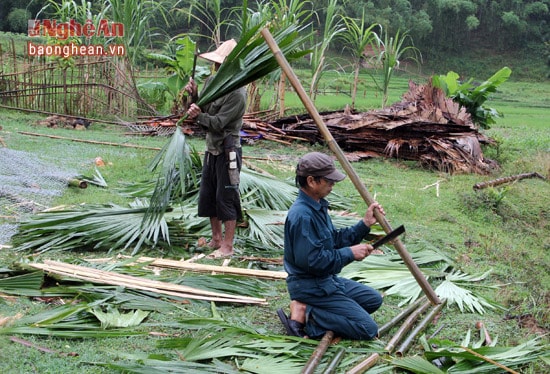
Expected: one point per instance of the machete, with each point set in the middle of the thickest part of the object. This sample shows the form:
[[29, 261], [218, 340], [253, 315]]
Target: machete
[[392, 235]]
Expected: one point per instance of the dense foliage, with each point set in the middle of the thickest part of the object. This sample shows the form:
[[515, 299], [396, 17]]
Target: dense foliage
[[434, 25]]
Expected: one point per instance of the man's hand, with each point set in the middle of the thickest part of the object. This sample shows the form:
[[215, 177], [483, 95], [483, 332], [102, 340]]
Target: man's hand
[[191, 87], [193, 111], [360, 251], [369, 219]]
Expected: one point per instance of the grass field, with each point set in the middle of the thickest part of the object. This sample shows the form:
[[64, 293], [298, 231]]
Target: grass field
[[504, 229]]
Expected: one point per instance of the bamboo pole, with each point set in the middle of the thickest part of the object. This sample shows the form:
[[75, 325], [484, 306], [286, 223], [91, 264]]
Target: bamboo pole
[[318, 353], [335, 148], [405, 327], [512, 178], [364, 365], [78, 183], [404, 313], [335, 361], [406, 344]]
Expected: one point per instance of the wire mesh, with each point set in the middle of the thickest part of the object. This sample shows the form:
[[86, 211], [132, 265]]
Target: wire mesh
[[27, 185]]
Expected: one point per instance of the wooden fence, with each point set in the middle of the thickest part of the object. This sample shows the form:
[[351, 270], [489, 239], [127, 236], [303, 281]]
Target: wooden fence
[[84, 86]]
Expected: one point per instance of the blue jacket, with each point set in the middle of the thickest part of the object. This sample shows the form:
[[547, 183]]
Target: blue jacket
[[314, 250]]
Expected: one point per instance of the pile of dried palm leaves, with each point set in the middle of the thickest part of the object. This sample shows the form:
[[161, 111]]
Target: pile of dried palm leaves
[[426, 126]]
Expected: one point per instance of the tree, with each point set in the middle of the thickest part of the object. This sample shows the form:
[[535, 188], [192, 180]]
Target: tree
[[390, 51], [331, 28], [357, 37]]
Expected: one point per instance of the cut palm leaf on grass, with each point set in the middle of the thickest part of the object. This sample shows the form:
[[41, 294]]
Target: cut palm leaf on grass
[[390, 274], [474, 360], [250, 60]]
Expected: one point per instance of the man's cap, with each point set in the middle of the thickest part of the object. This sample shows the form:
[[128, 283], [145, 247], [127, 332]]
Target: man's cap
[[221, 52], [318, 164]]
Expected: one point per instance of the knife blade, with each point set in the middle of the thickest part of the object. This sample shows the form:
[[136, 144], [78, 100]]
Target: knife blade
[[392, 235]]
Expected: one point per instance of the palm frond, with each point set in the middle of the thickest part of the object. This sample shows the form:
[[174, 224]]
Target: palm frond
[[98, 227], [262, 191], [468, 362], [391, 274], [266, 226]]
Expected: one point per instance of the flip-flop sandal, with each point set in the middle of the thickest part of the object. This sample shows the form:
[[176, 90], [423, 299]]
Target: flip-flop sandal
[[293, 328]]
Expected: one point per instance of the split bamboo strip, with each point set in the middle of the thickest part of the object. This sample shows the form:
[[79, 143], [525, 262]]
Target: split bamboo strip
[[106, 277], [184, 265], [487, 359], [318, 353], [405, 345], [404, 313], [406, 327], [365, 365], [353, 176]]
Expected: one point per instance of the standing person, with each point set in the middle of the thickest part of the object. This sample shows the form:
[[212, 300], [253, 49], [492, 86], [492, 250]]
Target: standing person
[[315, 252], [219, 187]]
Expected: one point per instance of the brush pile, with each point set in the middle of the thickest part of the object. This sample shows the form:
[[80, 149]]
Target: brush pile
[[425, 126]]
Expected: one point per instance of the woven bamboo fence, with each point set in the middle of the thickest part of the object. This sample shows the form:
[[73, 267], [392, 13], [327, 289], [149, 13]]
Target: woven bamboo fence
[[85, 86]]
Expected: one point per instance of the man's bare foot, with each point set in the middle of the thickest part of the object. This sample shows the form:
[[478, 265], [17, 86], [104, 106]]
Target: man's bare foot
[[214, 244], [219, 254], [298, 311]]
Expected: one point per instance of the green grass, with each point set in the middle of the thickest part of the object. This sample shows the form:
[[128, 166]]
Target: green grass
[[505, 229]]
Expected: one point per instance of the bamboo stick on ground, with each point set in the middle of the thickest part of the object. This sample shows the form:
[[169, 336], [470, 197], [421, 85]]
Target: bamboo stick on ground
[[318, 353], [335, 148], [106, 277], [365, 365], [405, 345], [184, 265], [499, 181], [406, 327], [78, 183], [335, 361], [404, 313], [487, 359]]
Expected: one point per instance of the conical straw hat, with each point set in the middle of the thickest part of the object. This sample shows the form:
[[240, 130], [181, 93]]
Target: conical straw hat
[[221, 52]]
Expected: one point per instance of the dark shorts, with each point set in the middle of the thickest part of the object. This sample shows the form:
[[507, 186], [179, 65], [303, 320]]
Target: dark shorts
[[217, 197]]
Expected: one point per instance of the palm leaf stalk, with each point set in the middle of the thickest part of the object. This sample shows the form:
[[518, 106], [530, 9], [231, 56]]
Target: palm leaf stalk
[[250, 60]]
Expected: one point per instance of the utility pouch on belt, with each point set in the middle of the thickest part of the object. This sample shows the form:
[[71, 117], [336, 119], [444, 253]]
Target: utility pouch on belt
[[231, 157]]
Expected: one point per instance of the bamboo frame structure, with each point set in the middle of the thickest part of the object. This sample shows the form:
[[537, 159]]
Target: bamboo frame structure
[[335, 148], [88, 85]]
